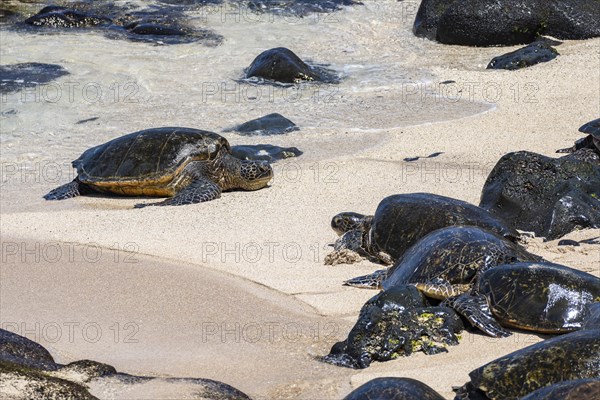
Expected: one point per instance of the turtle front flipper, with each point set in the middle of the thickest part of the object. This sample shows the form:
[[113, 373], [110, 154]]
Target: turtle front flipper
[[371, 281], [198, 191], [68, 190], [476, 310]]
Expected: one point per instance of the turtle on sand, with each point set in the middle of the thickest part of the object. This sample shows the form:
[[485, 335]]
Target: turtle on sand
[[563, 358], [401, 220], [578, 389], [187, 165], [452, 255], [536, 296], [393, 389], [591, 141]]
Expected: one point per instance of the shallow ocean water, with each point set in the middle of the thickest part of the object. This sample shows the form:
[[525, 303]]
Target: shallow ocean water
[[122, 86]]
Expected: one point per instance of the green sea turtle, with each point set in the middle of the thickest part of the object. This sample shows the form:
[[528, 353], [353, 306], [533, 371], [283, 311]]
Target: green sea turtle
[[579, 389], [563, 358], [536, 296], [393, 389], [401, 220], [452, 255], [187, 165], [591, 141]]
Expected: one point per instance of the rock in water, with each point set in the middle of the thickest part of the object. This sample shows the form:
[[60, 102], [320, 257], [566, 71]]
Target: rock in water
[[282, 65], [548, 196], [394, 323], [393, 389], [61, 17], [19, 76], [272, 124], [506, 22], [264, 152], [527, 56]]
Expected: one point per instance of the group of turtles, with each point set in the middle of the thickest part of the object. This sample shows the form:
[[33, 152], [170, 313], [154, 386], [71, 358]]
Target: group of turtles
[[462, 258]]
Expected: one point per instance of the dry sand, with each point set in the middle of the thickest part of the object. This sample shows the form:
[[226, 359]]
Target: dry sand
[[254, 261]]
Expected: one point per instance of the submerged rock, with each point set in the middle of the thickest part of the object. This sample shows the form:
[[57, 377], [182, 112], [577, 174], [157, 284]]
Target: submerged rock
[[506, 22], [395, 323], [264, 152], [282, 65], [272, 124], [155, 25], [62, 17], [299, 8], [19, 76], [527, 56], [548, 196]]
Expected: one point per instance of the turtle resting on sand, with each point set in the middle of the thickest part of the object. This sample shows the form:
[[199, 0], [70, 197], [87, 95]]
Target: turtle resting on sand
[[591, 141], [536, 296], [401, 220], [579, 389], [393, 389], [187, 165], [453, 255], [563, 358]]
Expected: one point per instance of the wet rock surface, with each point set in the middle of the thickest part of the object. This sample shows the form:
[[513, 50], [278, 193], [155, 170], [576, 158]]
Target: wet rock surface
[[155, 24], [395, 323], [28, 371], [532, 54], [283, 65], [272, 124], [264, 152], [506, 22], [548, 196]]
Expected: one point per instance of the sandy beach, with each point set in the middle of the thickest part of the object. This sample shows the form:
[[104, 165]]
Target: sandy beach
[[236, 289]]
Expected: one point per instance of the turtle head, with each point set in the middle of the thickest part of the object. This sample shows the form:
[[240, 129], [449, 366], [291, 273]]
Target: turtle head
[[346, 221], [254, 175]]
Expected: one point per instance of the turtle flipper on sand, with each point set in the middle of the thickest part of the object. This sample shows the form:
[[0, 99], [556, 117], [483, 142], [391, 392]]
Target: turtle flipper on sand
[[187, 165], [198, 191], [476, 310]]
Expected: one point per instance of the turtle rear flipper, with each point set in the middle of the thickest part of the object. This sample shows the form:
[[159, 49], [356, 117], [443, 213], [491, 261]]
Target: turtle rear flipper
[[198, 191], [476, 310], [371, 281], [68, 190]]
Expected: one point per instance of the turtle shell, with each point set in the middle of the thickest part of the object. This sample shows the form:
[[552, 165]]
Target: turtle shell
[[567, 357], [544, 297], [579, 389], [454, 254], [152, 156], [592, 127], [402, 219], [393, 388]]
